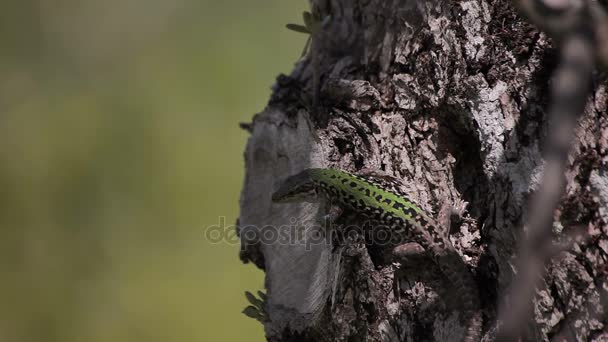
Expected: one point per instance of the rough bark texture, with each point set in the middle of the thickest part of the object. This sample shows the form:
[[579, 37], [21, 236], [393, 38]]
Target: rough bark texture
[[449, 96]]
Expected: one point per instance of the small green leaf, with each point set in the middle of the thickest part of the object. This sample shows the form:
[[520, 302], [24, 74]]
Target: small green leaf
[[298, 28], [256, 302], [252, 312], [263, 296], [308, 20], [250, 297]]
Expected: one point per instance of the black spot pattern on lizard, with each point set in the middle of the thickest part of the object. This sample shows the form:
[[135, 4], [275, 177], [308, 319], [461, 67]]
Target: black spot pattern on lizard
[[409, 211], [398, 205], [415, 227], [389, 183]]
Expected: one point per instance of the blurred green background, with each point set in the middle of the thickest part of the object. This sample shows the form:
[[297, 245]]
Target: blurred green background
[[119, 145]]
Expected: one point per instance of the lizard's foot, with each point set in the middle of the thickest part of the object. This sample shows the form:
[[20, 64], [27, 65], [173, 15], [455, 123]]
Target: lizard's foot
[[257, 309]]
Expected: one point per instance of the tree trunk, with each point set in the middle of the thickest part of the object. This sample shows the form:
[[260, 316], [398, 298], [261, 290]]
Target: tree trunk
[[450, 97]]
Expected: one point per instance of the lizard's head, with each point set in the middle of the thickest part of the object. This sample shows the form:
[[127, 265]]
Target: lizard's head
[[297, 188]]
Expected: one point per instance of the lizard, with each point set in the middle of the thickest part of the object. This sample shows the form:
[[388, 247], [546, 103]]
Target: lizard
[[379, 198]]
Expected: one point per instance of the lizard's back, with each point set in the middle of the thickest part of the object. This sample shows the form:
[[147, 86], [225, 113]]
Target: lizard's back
[[380, 200]]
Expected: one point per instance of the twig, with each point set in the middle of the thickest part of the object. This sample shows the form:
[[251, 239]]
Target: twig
[[559, 18], [568, 22]]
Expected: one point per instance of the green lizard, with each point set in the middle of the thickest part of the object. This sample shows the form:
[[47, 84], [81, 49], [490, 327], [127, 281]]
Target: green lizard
[[379, 198]]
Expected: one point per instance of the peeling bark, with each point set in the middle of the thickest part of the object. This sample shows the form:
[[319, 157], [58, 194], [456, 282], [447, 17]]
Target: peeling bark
[[451, 98]]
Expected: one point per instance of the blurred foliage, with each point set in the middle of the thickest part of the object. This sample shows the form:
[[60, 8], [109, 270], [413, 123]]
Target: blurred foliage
[[119, 145]]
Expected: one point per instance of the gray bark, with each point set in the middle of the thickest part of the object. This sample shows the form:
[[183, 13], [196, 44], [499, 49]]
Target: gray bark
[[449, 96]]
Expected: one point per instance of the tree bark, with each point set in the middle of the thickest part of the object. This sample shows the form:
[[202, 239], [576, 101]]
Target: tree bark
[[450, 97]]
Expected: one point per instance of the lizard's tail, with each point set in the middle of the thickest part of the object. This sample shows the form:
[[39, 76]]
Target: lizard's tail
[[458, 274]]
